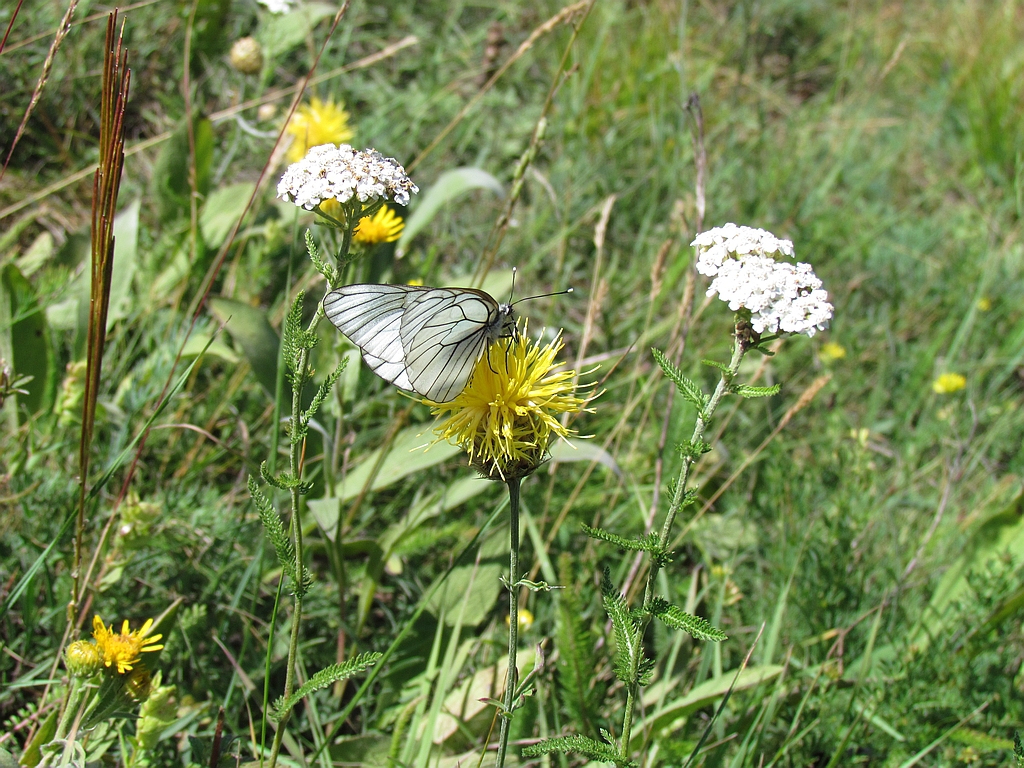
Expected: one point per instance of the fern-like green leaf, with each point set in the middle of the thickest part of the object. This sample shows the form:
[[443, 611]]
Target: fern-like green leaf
[[693, 449], [627, 635], [579, 745], [687, 388], [648, 543], [716, 364], [325, 677], [744, 390], [291, 334], [677, 618], [324, 390], [330, 273], [1018, 749], [275, 530]]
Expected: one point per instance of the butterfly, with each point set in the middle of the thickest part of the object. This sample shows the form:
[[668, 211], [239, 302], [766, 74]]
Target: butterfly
[[425, 340]]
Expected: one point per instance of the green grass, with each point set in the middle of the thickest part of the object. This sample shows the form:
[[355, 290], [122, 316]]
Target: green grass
[[887, 141]]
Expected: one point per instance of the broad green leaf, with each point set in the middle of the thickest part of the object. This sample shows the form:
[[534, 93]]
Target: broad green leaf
[[126, 250], [252, 331], [407, 454], [198, 343], [567, 450], [26, 340], [470, 592], [279, 33], [1000, 533], [170, 181], [37, 254], [222, 209], [449, 185], [699, 697], [468, 699]]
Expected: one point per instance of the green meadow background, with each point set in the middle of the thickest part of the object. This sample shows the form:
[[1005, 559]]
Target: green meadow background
[[859, 535]]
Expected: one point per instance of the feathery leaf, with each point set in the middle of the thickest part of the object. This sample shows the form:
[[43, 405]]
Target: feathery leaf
[[325, 677], [675, 617], [687, 388]]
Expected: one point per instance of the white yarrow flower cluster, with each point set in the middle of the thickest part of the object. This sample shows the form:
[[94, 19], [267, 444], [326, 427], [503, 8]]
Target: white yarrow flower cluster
[[277, 6], [341, 173], [781, 297]]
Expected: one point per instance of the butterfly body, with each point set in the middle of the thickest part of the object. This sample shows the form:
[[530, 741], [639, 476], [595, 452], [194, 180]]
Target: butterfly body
[[426, 340]]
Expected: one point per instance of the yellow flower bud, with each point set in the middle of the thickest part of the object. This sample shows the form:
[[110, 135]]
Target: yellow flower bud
[[82, 658]]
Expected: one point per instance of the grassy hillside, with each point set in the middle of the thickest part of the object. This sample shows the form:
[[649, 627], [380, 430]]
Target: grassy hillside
[[857, 536]]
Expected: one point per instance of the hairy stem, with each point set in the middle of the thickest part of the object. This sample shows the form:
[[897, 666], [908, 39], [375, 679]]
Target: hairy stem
[[512, 676], [302, 375], [678, 496]]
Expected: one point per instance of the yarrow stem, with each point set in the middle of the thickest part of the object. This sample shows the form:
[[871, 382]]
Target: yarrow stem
[[678, 495], [512, 675]]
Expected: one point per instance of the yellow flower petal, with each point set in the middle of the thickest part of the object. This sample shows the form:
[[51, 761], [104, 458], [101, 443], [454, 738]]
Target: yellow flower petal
[[383, 227], [316, 123], [121, 650], [948, 383], [507, 414]]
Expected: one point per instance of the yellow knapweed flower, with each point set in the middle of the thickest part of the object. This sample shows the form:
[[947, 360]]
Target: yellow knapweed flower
[[122, 650], [505, 417], [831, 351], [383, 227], [948, 383], [316, 123]]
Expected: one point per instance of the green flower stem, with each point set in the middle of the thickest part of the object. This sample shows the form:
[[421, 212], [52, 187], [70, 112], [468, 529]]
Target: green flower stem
[[512, 676], [76, 691], [302, 376], [678, 495]]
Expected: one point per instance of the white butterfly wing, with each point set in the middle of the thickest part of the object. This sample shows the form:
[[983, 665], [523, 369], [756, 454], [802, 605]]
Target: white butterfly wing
[[426, 340], [444, 332], [371, 317]]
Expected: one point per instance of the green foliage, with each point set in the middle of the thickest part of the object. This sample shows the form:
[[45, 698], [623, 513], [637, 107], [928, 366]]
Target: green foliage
[[688, 389], [580, 692], [743, 390], [322, 679], [579, 745], [677, 618], [329, 273], [632, 667], [1018, 750], [295, 339], [280, 540]]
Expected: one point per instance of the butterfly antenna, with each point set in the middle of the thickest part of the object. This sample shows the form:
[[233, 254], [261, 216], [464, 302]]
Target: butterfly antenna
[[512, 290], [542, 296]]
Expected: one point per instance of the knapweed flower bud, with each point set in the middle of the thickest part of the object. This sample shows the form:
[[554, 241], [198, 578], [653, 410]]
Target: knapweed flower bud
[[83, 659], [247, 56]]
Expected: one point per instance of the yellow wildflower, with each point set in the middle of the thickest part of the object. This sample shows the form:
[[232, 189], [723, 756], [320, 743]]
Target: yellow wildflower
[[122, 650], [831, 351], [383, 227], [984, 304], [948, 383], [316, 123], [525, 621], [505, 417], [82, 658]]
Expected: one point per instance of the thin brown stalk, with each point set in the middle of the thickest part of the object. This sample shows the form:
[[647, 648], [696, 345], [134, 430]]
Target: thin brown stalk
[[216, 117], [44, 75], [526, 45], [106, 183], [10, 25]]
